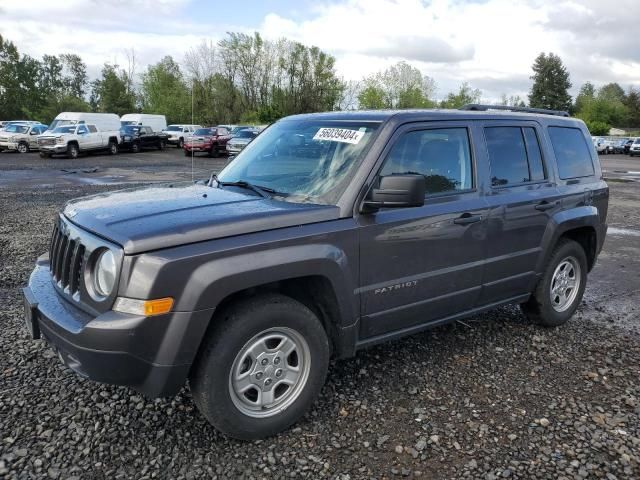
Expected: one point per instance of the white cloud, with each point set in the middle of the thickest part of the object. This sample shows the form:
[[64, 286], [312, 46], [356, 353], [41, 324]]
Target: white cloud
[[490, 43]]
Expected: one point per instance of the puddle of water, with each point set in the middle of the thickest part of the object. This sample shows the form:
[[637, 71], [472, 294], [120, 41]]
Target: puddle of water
[[623, 231]]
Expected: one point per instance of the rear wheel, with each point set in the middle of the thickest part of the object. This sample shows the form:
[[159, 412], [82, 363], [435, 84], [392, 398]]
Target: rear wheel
[[161, 145], [180, 143], [113, 148], [261, 368], [560, 289], [23, 148], [72, 150], [135, 147]]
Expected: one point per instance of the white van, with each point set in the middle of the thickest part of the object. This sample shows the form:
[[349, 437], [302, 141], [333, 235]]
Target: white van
[[106, 122], [157, 122]]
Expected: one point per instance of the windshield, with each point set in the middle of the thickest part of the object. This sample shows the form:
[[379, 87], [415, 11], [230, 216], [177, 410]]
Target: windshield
[[58, 123], [245, 134], [127, 122], [65, 129], [174, 128], [130, 129], [636, 141], [235, 130], [303, 160], [205, 131], [17, 129]]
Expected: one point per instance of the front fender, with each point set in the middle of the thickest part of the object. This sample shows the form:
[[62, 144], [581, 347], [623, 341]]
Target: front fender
[[212, 282]]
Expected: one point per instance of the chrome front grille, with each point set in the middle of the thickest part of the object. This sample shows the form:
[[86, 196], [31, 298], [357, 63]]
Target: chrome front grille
[[66, 257], [46, 141]]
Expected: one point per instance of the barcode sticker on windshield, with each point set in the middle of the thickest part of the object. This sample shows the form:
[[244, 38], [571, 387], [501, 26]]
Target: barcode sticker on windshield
[[339, 135]]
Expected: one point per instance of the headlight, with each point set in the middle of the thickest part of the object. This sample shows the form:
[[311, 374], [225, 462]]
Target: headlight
[[14, 138], [104, 273], [60, 140]]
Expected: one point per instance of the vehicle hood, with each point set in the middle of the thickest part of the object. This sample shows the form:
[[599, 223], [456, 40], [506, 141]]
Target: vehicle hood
[[239, 140], [165, 216]]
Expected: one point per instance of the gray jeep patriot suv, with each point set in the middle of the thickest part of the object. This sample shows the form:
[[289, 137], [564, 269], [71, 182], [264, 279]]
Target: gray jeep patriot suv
[[329, 233]]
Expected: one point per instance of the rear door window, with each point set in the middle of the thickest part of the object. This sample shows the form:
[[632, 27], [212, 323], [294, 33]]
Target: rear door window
[[515, 156], [92, 128], [572, 152]]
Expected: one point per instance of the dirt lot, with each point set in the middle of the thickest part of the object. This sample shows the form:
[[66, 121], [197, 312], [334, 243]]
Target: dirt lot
[[493, 397]]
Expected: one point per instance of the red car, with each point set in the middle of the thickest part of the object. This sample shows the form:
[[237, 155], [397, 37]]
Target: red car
[[211, 140]]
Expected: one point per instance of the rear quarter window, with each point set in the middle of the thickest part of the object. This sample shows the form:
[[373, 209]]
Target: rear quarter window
[[572, 152]]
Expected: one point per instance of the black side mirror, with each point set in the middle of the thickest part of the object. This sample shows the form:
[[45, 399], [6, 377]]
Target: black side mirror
[[397, 191]]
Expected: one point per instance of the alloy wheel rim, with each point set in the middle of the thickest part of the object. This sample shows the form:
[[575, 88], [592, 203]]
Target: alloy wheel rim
[[270, 372], [22, 148], [565, 284]]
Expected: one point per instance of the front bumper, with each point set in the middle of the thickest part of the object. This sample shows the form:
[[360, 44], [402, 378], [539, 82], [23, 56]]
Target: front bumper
[[152, 355], [197, 147], [58, 148], [235, 148]]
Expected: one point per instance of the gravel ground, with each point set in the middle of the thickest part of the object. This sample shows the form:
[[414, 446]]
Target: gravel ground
[[493, 397]]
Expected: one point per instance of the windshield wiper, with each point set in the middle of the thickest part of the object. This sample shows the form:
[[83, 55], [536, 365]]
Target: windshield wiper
[[264, 192]]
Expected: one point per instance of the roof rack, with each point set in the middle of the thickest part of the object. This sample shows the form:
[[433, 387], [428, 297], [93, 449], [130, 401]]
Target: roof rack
[[483, 108]]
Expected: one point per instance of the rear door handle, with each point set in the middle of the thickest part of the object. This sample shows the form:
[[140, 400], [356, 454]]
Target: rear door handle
[[467, 218], [544, 205]]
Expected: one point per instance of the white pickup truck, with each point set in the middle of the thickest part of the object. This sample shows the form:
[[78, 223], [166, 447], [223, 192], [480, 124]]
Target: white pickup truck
[[75, 139]]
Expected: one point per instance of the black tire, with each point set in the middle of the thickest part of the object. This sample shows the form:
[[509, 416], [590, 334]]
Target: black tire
[[45, 155], [72, 150], [161, 145], [180, 143], [539, 308], [241, 323], [23, 147], [135, 147], [113, 148]]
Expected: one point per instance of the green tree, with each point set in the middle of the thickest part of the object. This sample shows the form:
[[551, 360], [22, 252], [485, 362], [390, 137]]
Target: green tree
[[112, 92], [551, 83], [399, 86], [10, 89], [74, 75], [165, 92], [632, 102], [465, 95]]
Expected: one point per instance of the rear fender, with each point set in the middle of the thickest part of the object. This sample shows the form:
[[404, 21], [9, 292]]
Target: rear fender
[[564, 221]]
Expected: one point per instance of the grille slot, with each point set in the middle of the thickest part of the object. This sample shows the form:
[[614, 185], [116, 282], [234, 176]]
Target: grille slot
[[66, 259]]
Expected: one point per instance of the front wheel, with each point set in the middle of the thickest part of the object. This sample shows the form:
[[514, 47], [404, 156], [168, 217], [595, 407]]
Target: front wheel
[[23, 148], [180, 143], [135, 147], [73, 151], [261, 368], [559, 291]]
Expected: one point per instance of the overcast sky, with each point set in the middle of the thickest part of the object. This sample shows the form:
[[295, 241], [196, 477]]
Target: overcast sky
[[489, 43]]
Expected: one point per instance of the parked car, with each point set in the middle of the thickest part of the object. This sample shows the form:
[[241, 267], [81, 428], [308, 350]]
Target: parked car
[[635, 148], [210, 140], [21, 137], [240, 140], [6, 123], [106, 122], [178, 133], [600, 145], [139, 137], [383, 224], [627, 145], [157, 123], [618, 145], [75, 139], [239, 128]]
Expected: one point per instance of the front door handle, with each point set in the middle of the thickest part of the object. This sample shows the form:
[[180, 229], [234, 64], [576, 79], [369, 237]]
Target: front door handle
[[467, 218], [544, 205]]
